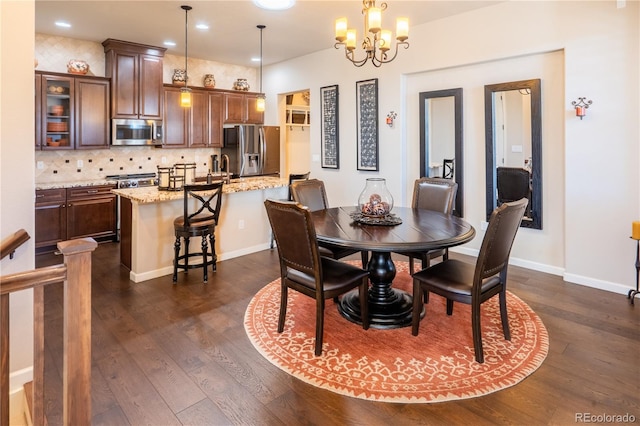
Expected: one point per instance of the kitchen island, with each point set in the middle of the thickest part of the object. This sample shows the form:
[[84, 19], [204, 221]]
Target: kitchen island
[[146, 224]]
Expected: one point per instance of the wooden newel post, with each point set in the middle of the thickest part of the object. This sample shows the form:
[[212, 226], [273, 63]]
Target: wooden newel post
[[77, 331]]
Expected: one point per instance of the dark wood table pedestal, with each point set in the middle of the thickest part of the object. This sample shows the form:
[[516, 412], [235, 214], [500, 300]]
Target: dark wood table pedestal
[[388, 307]]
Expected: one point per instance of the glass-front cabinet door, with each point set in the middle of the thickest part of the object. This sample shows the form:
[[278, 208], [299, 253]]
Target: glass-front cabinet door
[[57, 112]]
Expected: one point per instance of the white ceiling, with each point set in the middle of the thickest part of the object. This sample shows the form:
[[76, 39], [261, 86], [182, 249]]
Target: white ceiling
[[232, 36]]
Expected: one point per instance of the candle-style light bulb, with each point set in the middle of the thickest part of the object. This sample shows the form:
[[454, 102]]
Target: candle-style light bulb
[[341, 29], [374, 19], [385, 40], [402, 29], [351, 39]]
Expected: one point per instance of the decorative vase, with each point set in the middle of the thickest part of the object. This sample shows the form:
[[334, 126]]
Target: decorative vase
[[75, 66], [179, 76], [375, 199], [209, 81], [241, 84]]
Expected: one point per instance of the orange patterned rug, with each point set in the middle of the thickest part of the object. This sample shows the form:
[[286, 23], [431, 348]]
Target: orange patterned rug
[[392, 365]]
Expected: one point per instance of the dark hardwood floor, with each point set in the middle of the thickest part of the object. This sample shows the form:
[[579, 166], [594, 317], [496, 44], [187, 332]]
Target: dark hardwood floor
[[166, 354]]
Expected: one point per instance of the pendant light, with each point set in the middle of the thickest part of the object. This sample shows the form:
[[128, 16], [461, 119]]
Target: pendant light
[[185, 92], [261, 100]]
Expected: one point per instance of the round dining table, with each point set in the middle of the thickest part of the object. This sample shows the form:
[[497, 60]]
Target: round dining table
[[420, 230]]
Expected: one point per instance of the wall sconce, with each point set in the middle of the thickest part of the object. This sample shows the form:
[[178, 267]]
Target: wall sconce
[[581, 107], [390, 117]]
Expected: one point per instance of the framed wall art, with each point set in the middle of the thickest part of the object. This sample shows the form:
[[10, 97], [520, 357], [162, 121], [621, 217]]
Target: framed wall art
[[330, 158], [367, 124]]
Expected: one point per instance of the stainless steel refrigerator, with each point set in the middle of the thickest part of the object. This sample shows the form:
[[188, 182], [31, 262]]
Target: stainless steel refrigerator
[[253, 150]]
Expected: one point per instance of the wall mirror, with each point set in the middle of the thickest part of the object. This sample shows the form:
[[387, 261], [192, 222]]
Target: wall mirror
[[513, 126], [441, 138]]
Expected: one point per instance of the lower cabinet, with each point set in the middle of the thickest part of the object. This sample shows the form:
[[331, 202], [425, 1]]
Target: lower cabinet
[[65, 214]]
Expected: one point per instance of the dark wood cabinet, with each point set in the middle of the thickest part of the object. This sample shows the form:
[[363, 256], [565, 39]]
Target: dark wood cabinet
[[50, 217], [199, 126], [64, 214], [240, 108], [72, 112], [136, 79], [91, 113]]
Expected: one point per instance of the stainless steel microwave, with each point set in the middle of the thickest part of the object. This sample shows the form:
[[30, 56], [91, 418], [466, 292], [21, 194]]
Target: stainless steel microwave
[[136, 132]]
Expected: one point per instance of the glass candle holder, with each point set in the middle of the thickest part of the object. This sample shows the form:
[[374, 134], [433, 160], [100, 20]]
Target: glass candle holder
[[375, 200]]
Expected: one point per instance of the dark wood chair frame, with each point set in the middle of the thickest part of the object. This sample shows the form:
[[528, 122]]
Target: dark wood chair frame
[[198, 222], [303, 269], [475, 284], [292, 178]]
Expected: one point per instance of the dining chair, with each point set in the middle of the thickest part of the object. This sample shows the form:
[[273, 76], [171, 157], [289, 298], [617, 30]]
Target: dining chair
[[200, 217], [472, 284], [437, 194], [312, 193], [512, 184], [303, 269], [292, 178]]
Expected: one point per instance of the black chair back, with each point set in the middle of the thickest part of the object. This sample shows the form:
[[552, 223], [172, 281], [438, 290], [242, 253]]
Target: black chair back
[[448, 168], [513, 183], [206, 208]]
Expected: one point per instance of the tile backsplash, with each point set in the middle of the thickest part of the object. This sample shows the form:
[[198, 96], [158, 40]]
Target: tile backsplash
[[94, 165]]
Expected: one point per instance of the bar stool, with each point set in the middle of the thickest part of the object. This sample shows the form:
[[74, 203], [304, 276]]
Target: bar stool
[[199, 221], [292, 178]]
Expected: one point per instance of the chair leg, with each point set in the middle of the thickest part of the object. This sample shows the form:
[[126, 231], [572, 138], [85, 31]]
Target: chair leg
[[477, 332], [186, 255], [449, 307], [271, 244], [417, 308], [503, 315], [214, 257], [319, 325], [364, 302], [411, 270], [426, 262], [176, 249], [283, 307], [204, 259]]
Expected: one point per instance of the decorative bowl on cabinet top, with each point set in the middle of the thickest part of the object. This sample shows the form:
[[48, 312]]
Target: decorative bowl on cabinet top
[[76, 66]]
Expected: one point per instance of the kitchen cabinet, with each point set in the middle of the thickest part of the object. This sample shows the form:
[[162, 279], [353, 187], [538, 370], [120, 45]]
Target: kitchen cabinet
[[72, 112], [199, 126], [136, 79], [240, 108], [50, 217], [65, 214]]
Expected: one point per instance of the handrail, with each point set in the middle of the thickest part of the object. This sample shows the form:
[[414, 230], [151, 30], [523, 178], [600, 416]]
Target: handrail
[[16, 240], [76, 275]]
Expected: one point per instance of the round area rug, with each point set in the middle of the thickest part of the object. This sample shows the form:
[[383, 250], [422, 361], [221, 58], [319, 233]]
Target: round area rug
[[392, 365]]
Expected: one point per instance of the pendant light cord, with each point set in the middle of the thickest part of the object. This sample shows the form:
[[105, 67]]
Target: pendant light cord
[[261, 27], [186, 41]]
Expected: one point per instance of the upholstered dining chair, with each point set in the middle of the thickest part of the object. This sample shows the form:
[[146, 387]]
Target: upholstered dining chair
[[303, 269], [292, 178], [513, 183], [312, 193], [437, 194], [200, 217], [463, 282]]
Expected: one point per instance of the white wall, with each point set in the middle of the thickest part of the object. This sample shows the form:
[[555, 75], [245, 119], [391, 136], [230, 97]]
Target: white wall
[[588, 205], [16, 172]]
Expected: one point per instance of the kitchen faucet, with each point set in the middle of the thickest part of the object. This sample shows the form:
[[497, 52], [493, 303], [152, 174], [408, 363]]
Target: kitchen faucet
[[225, 166]]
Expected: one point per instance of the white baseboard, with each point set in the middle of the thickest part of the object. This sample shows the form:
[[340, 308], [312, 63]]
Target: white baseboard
[[167, 270], [554, 270]]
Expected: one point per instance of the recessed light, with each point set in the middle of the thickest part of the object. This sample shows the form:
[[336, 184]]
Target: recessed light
[[274, 4], [255, 59], [169, 43], [202, 26], [63, 24]]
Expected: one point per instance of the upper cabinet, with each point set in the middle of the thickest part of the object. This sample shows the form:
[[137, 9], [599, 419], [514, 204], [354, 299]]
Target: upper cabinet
[[136, 79], [72, 112], [240, 108]]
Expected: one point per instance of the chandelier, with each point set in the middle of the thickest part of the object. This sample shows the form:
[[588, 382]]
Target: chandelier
[[377, 41]]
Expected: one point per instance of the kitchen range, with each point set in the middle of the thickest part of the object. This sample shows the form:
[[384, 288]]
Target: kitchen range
[[134, 180]]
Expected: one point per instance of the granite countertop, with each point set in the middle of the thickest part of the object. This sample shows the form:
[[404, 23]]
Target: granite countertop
[[74, 184], [151, 194]]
